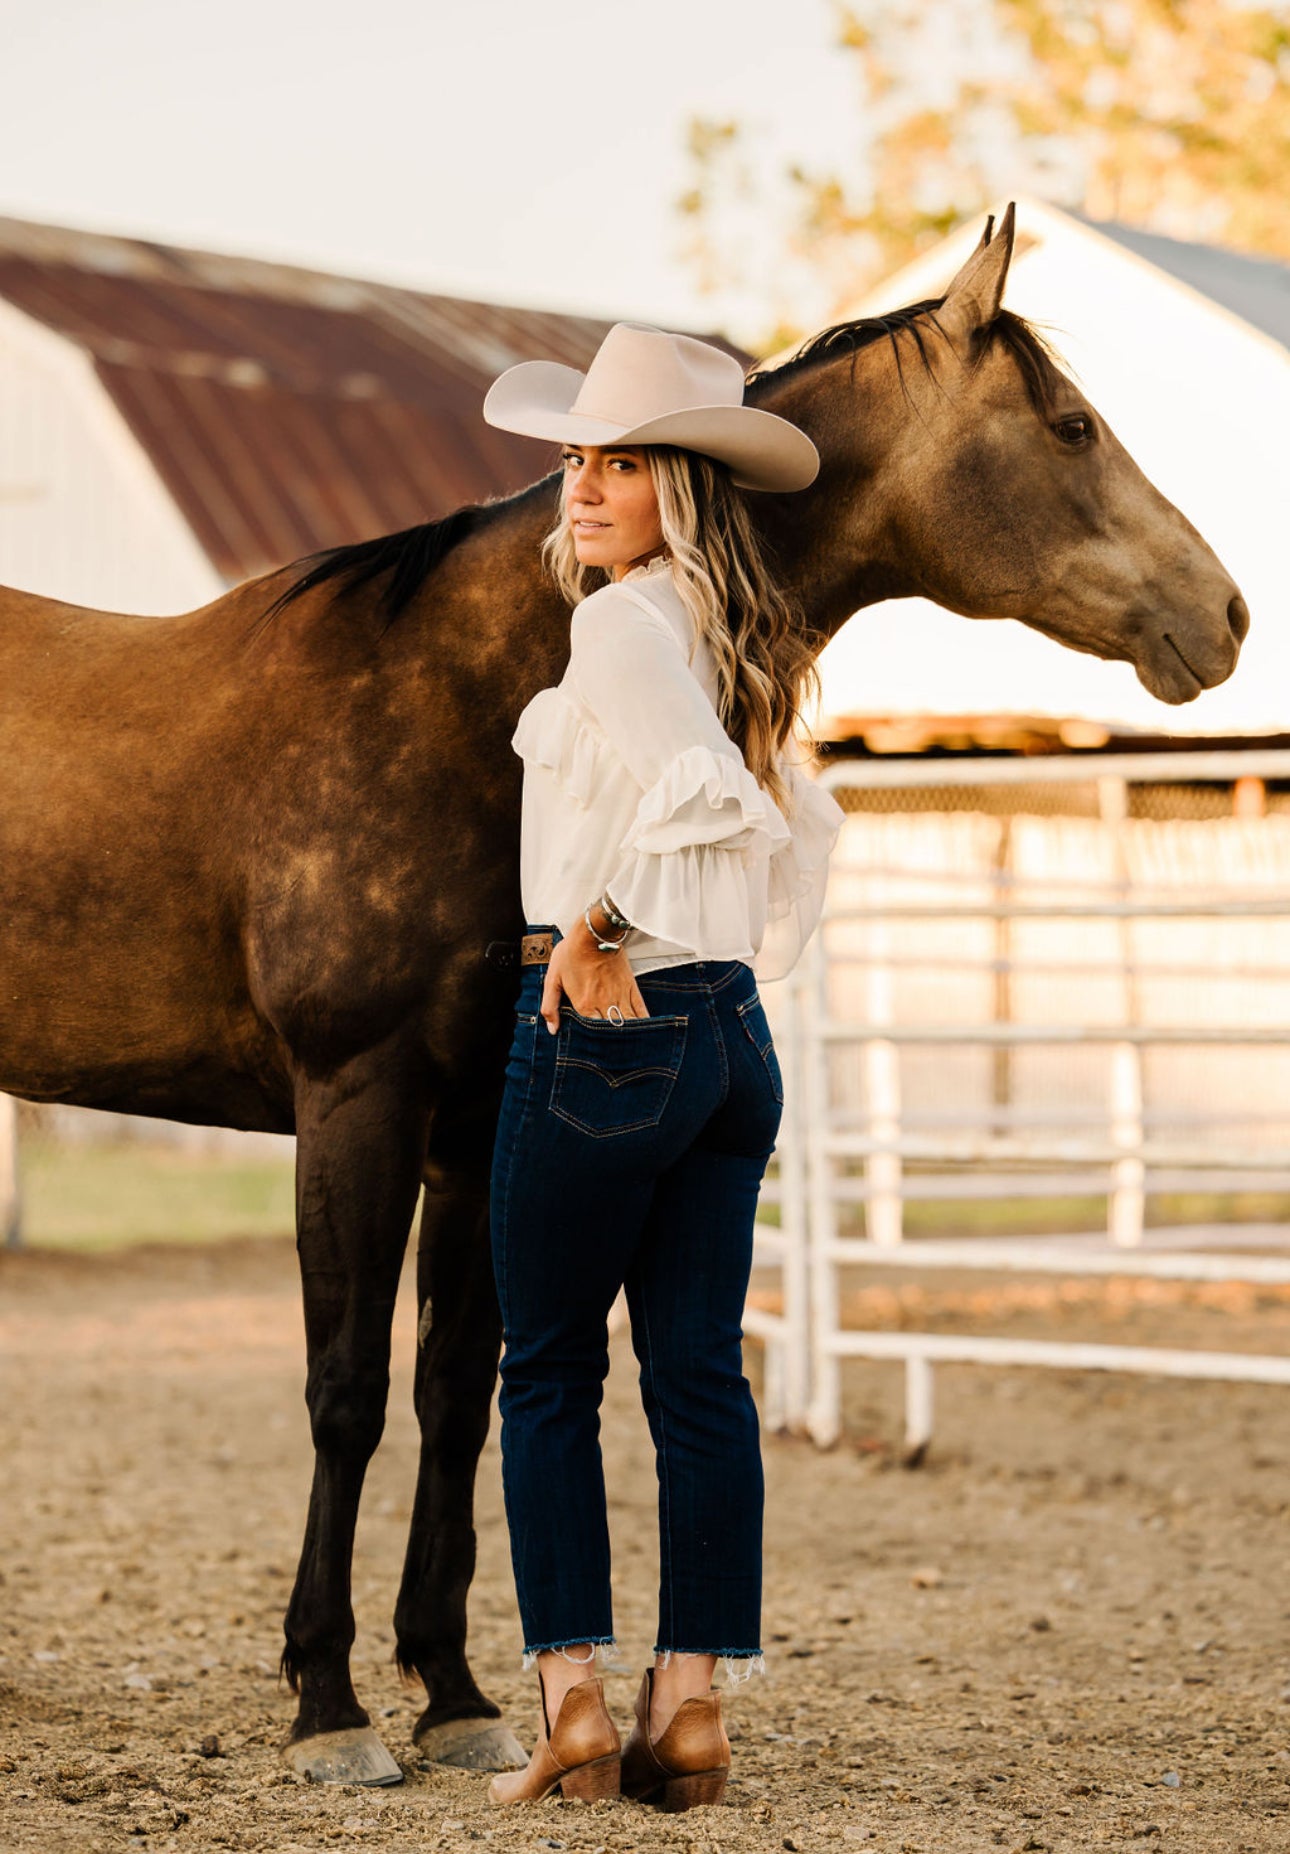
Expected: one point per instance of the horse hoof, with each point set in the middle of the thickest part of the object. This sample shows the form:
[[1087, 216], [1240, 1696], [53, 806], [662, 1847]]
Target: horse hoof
[[355, 1756], [473, 1744]]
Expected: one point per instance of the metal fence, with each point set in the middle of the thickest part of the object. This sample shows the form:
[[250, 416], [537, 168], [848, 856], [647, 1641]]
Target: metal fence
[[10, 1202], [1068, 981]]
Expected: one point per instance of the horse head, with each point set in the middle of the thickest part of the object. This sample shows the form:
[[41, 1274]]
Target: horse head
[[959, 462]]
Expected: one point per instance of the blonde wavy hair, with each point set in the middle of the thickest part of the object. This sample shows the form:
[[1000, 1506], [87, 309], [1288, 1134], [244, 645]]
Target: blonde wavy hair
[[761, 645]]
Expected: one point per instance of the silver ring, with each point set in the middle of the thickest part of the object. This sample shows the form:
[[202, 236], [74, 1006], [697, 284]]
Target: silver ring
[[614, 1014]]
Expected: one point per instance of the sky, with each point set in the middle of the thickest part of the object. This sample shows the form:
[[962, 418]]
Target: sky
[[517, 152]]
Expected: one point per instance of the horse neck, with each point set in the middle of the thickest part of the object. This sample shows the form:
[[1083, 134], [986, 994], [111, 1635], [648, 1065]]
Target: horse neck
[[832, 542], [491, 606]]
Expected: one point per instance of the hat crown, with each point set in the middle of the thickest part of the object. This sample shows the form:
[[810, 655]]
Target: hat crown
[[646, 386], [640, 373]]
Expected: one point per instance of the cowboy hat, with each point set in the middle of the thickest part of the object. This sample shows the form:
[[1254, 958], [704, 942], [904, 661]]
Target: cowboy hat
[[645, 386]]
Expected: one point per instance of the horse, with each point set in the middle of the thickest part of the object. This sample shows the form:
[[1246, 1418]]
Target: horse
[[254, 858]]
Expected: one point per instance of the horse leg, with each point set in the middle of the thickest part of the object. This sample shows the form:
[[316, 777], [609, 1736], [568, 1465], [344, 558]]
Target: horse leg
[[458, 1340], [360, 1147]]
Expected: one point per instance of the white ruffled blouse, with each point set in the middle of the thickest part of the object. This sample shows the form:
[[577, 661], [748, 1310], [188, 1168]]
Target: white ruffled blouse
[[631, 785]]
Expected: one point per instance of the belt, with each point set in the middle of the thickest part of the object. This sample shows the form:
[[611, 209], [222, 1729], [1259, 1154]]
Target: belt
[[532, 949]]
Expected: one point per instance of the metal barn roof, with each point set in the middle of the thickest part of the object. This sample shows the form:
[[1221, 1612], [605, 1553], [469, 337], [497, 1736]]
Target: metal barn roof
[[286, 409]]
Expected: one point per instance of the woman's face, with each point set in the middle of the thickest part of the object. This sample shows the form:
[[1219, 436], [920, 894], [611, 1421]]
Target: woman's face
[[611, 507]]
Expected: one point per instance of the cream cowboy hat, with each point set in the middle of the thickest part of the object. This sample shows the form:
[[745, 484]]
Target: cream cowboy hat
[[645, 386]]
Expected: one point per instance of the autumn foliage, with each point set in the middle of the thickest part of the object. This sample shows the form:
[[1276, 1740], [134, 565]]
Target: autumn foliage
[[1169, 115]]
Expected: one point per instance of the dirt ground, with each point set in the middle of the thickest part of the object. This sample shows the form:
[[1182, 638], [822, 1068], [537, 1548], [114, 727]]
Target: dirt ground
[[1067, 1631]]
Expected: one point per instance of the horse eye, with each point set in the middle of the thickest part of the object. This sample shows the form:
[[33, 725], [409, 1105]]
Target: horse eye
[[1074, 430]]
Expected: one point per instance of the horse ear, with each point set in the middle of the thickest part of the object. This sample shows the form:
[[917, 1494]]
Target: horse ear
[[972, 301]]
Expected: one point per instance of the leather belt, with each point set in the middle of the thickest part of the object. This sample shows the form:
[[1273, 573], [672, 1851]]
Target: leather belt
[[536, 948], [532, 949]]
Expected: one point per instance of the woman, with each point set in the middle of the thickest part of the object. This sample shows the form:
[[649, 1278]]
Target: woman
[[668, 841]]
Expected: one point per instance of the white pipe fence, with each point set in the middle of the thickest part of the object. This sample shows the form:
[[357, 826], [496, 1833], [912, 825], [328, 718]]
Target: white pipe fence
[[10, 1198], [1019, 935]]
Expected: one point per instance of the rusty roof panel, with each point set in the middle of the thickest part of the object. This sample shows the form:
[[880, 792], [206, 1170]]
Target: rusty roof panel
[[287, 410], [263, 475]]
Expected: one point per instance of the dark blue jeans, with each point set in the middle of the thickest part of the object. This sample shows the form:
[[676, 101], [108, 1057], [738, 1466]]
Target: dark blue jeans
[[631, 1155]]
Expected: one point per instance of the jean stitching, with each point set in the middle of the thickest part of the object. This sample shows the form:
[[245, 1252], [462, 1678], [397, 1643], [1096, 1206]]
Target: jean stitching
[[710, 985], [743, 1008], [615, 1081], [765, 1051], [563, 1063], [655, 1020], [666, 1577], [580, 1126], [722, 1056]]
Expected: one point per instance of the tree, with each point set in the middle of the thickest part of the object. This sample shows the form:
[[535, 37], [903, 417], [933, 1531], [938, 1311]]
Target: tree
[[1171, 115]]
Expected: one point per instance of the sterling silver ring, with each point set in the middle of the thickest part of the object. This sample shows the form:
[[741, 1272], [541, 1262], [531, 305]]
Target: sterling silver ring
[[614, 1014]]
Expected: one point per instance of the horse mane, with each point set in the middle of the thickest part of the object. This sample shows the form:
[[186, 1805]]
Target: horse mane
[[409, 558], [1027, 346]]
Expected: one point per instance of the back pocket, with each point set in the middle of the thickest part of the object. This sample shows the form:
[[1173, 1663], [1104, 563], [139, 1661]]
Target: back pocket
[[752, 1016], [615, 1078]]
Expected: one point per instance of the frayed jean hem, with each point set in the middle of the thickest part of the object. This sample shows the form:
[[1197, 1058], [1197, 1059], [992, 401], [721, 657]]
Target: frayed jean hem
[[737, 1664], [601, 1646]]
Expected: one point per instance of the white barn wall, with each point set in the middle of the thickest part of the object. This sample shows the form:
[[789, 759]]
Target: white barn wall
[[83, 514]]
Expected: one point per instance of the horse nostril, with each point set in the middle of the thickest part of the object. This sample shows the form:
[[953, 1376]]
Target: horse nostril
[[1238, 618]]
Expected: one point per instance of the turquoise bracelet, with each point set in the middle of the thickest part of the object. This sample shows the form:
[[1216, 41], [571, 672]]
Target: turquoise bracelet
[[612, 915], [602, 946]]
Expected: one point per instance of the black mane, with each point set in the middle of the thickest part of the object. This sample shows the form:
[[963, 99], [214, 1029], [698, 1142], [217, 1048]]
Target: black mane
[[410, 556], [1023, 341]]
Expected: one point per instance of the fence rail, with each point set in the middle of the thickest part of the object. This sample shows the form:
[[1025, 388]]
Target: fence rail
[[876, 937]]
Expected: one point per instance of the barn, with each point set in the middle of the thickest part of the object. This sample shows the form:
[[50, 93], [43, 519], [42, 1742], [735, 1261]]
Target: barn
[[174, 421]]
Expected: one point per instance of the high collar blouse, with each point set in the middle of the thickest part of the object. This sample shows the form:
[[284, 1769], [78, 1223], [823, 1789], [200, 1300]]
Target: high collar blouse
[[632, 786]]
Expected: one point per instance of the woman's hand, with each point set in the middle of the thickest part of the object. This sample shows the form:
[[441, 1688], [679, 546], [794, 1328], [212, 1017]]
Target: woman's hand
[[592, 981]]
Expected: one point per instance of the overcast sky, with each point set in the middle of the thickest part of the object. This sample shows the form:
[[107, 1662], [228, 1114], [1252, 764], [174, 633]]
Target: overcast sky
[[525, 151]]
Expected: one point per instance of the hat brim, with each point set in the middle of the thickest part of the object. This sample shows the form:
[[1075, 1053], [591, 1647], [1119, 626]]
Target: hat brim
[[763, 450]]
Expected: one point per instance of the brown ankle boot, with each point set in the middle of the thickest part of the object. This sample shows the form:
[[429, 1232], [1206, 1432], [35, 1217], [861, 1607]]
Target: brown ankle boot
[[688, 1764], [579, 1756]]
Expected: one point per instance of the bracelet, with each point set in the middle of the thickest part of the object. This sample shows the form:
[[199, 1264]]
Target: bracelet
[[602, 945], [611, 913]]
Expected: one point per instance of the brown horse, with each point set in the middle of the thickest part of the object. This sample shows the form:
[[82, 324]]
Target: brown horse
[[252, 859]]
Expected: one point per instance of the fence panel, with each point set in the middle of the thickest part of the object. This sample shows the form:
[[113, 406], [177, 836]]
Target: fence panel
[[1046, 988]]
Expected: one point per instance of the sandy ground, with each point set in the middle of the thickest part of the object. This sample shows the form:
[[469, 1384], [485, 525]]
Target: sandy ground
[[1067, 1631]]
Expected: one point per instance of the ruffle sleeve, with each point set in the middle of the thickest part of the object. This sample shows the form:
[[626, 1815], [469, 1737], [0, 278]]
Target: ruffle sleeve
[[800, 865], [706, 797], [681, 874], [798, 876], [552, 733]]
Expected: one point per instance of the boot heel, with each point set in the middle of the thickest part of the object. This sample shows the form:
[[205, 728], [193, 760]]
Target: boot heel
[[699, 1789], [591, 1782]]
